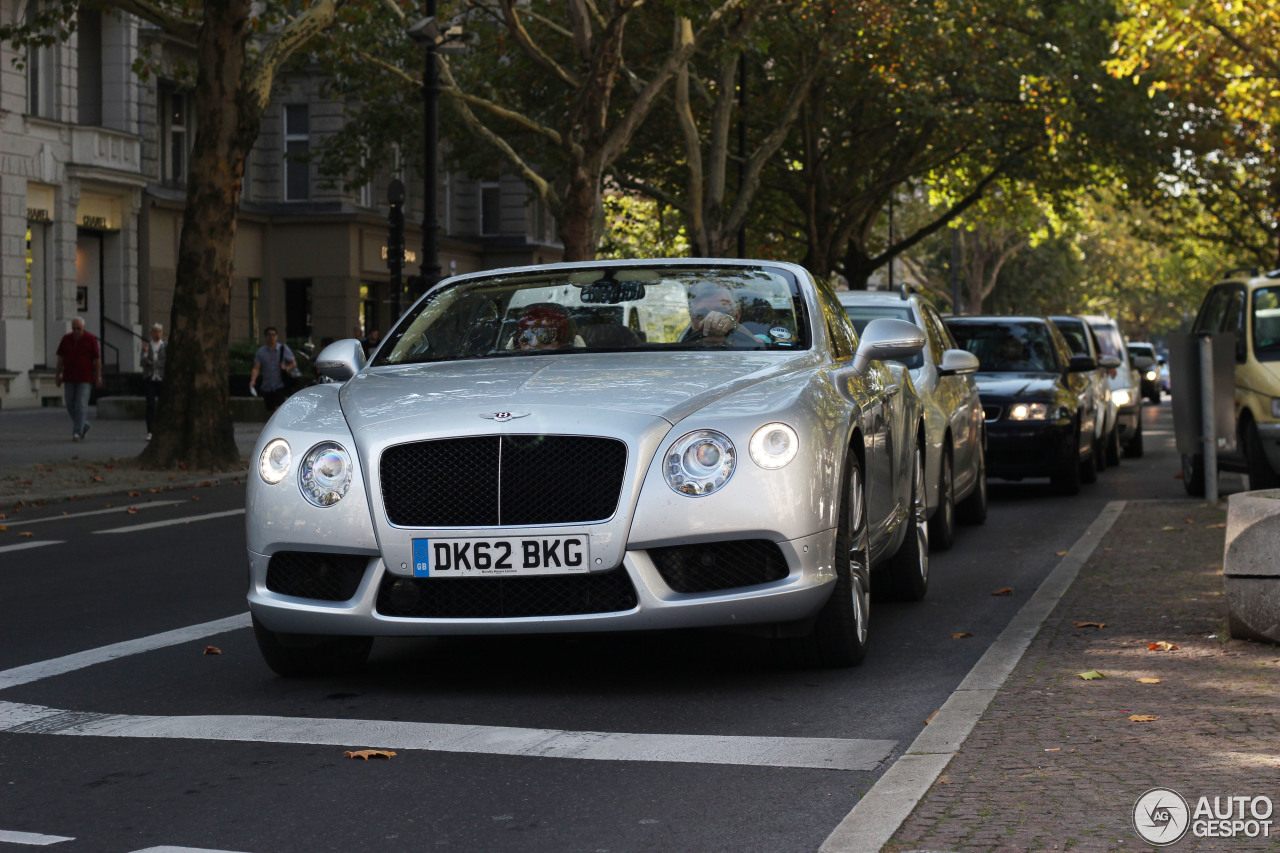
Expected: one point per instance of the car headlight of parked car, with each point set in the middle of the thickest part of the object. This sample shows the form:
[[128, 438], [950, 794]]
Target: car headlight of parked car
[[1152, 376], [700, 462], [774, 445], [1032, 412], [273, 465], [1122, 397], [325, 474]]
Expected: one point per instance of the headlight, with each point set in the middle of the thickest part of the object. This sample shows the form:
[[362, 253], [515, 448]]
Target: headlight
[[1275, 407], [273, 465], [700, 462], [325, 474], [774, 445], [1151, 375], [1030, 412], [1122, 397]]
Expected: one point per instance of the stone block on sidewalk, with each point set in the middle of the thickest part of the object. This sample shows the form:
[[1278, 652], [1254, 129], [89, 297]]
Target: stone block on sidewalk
[[1251, 565]]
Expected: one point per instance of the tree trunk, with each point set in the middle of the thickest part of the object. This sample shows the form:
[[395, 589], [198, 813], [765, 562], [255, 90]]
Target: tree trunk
[[193, 426], [579, 216]]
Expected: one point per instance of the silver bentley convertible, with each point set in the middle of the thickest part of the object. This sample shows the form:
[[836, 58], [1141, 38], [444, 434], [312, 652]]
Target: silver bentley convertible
[[594, 447]]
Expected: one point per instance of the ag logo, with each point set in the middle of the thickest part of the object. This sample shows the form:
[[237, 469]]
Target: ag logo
[[1161, 816], [503, 417]]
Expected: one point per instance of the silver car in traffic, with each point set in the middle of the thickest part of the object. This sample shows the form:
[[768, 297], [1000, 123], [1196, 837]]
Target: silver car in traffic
[[594, 447]]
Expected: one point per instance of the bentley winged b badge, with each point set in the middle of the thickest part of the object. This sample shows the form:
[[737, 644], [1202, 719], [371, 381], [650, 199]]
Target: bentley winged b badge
[[503, 417]]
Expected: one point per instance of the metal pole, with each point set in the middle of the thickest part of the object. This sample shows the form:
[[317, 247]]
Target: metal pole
[[430, 266], [1207, 419]]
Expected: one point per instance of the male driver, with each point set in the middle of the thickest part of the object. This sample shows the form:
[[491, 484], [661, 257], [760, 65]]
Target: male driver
[[79, 370], [713, 317], [273, 359]]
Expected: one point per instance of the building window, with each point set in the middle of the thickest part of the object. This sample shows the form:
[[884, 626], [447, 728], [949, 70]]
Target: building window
[[89, 67], [297, 145], [40, 74], [175, 135], [490, 209]]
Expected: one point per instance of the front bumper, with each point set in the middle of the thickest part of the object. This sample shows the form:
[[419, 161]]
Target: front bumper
[[655, 605], [1027, 449]]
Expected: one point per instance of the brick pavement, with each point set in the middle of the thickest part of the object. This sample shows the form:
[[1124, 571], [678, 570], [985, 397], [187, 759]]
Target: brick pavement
[[1055, 762]]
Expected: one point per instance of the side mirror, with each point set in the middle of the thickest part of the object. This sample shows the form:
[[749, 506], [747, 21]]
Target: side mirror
[[1110, 362], [956, 362], [887, 340], [340, 360], [1081, 364]]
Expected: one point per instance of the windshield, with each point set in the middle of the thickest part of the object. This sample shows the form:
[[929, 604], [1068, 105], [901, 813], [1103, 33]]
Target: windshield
[[1109, 339], [603, 309], [1075, 334], [861, 315], [1266, 323], [1013, 347]]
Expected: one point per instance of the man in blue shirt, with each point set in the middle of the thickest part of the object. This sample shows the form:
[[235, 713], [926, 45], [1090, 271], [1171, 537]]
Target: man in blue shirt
[[272, 359]]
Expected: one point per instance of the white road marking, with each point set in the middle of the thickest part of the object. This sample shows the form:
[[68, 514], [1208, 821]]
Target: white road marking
[[31, 838], [22, 546], [812, 753], [168, 849], [91, 512], [79, 660], [154, 524]]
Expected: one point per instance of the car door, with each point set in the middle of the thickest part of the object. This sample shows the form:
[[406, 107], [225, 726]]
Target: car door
[[958, 398]]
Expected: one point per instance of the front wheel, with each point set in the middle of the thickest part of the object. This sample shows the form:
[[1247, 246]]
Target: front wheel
[[1134, 448], [311, 654], [942, 527], [839, 635], [973, 509], [1066, 480], [1113, 445], [907, 575]]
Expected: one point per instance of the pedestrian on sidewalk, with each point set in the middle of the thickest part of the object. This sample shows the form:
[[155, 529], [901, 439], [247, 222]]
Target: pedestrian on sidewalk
[[153, 352], [272, 360], [79, 370]]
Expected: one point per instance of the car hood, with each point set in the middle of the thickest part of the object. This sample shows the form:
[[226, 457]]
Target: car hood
[[663, 385], [1015, 386]]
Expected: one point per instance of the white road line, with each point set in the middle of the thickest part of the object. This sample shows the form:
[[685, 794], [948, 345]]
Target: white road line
[[31, 838], [22, 546], [811, 753], [80, 660], [90, 512], [891, 799], [168, 849], [154, 524]]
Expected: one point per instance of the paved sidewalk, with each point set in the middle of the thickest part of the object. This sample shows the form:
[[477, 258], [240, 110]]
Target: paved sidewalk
[[39, 461], [1057, 763]]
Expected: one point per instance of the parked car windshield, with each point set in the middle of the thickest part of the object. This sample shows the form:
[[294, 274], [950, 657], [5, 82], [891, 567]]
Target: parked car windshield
[[1075, 334], [1014, 347], [861, 315], [1109, 340], [602, 309], [1266, 323]]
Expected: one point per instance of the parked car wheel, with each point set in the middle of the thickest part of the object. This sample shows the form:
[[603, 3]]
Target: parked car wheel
[[839, 636], [311, 654], [1113, 446], [1134, 447], [942, 527], [1089, 467], [1193, 474], [1260, 474], [907, 575], [973, 509], [1066, 480]]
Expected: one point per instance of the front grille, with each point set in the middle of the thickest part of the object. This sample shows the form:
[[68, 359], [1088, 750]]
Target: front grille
[[502, 480], [507, 597], [992, 413], [719, 565], [305, 574]]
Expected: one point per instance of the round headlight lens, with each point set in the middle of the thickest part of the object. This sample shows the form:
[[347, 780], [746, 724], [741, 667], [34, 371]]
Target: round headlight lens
[[700, 462], [774, 445], [273, 465], [325, 474]]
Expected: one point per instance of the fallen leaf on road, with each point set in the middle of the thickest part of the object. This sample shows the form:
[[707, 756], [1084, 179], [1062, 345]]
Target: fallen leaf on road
[[1170, 528], [1061, 553], [133, 510], [1091, 675], [1054, 749], [366, 754], [134, 494], [1161, 646], [1177, 476], [1189, 520], [3, 528], [961, 636], [1143, 718], [1004, 590], [212, 650], [931, 716], [97, 479], [1091, 624], [26, 534], [1216, 526], [1148, 681]]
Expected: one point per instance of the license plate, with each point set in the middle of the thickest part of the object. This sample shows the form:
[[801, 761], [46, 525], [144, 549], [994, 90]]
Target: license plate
[[525, 555]]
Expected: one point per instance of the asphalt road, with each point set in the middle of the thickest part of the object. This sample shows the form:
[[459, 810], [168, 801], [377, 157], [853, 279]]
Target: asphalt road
[[87, 777]]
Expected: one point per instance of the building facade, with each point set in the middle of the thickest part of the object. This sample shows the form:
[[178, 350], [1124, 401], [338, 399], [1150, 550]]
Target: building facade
[[93, 183]]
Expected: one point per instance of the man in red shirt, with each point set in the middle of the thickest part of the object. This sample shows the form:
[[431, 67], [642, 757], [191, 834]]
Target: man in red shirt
[[79, 370]]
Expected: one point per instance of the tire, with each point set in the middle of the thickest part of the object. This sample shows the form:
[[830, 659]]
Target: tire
[[907, 575], [1261, 475], [294, 655], [1100, 454], [1134, 447], [1113, 445], [1193, 474], [973, 509], [839, 634], [1089, 467], [1155, 397], [1066, 480], [942, 527]]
